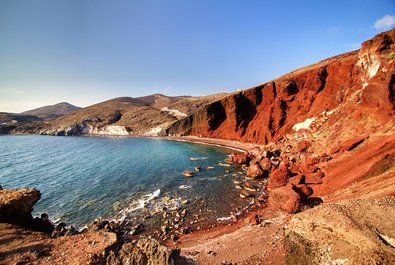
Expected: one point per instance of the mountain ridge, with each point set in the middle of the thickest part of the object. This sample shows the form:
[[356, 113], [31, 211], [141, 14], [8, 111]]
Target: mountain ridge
[[49, 112]]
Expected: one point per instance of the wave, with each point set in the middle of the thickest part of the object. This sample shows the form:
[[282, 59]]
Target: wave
[[198, 158], [140, 203], [184, 187], [224, 219]]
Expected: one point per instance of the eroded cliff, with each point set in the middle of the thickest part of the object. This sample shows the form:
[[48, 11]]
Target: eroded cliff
[[359, 84]]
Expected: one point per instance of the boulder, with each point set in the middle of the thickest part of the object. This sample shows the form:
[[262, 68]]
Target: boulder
[[295, 168], [266, 164], [16, 206], [298, 179], [306, 190], [240, 158], [278, 178], [351, 143], [188, 173], [335, 150], [255, 171], [286, 199], [253, 219], [303, 146], [250, 187], [312, 160], [346, 232], [145, 251], [313, 178]]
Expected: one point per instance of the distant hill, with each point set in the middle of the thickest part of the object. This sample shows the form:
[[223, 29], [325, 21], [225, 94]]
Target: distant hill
[[189, 105], [52, 111], [159, 101], [14, 118], [10, 121], [147, 115]]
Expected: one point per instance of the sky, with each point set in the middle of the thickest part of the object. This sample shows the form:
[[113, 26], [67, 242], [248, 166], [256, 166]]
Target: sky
[[88, 51]]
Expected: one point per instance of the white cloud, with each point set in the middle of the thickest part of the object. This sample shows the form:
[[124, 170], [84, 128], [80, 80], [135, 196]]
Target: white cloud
[[385, 22], [11, 91]]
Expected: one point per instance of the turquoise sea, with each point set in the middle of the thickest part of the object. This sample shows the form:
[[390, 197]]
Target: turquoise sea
[[82, 178]]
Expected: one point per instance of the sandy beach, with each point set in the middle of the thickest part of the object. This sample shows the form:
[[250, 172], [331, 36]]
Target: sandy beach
[[234, 145]]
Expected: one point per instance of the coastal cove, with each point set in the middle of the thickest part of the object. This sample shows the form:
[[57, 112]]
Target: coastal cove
[[83, 178]]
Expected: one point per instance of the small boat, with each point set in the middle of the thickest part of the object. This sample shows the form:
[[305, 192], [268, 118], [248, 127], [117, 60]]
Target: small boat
[[198, 168]]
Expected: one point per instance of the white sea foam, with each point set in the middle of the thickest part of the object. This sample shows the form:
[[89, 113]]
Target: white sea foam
[[140, 203], [224, 219], [184, 187], [198, 158]]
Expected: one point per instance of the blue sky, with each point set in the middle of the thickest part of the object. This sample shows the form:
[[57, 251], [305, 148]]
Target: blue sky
[[84, 52]]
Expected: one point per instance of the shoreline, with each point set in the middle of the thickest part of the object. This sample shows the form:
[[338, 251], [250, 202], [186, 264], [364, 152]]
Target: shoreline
[[228, 144]]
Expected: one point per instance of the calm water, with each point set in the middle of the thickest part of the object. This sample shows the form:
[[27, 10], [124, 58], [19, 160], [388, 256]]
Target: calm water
[[81, 178]]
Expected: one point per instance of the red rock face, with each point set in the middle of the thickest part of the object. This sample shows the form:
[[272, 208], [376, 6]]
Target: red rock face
[[263, 113]]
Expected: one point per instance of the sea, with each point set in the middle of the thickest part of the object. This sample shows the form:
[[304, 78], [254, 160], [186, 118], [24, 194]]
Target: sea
[[83, 178]]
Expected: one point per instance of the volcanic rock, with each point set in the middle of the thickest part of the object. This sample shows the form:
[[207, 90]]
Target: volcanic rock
[[351, 143], [307, 191], [255, 171], [266, 164], [298, 179], [241, 158], [286, 199], [313, 178], [303, 145], [278, 178]]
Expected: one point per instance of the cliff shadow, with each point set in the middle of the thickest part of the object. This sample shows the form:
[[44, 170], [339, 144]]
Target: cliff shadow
[[216, 115], [245, 112]]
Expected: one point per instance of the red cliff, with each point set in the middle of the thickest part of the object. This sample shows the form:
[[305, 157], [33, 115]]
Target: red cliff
[[358, 87]]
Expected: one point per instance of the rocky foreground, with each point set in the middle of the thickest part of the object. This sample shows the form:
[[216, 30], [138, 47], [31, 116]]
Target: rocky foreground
[[27, 240]]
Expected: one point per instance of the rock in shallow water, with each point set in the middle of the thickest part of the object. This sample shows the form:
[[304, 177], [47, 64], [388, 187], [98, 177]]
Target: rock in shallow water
[[187, 173], [255, 171]]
